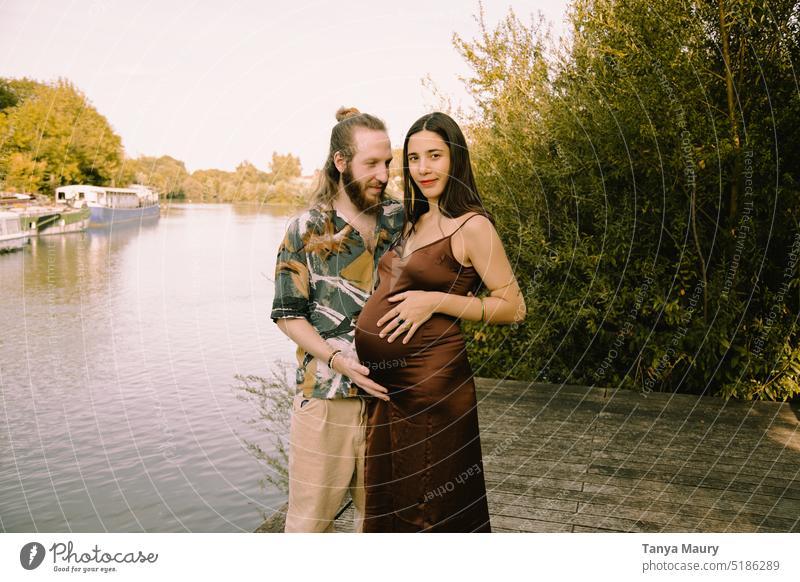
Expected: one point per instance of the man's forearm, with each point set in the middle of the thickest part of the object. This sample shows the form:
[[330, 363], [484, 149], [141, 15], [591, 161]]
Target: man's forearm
[[301, 332]]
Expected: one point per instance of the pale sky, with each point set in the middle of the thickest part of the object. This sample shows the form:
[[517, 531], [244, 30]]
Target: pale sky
[[213, 83]]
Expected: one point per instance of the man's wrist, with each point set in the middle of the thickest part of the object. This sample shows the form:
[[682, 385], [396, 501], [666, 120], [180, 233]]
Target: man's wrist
[[332, 357]]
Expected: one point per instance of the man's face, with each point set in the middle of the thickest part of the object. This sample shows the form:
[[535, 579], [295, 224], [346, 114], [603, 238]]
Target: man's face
[[367, 174]]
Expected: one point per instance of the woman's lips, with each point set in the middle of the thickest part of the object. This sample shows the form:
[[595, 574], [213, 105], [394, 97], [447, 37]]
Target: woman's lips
[[427, 182]]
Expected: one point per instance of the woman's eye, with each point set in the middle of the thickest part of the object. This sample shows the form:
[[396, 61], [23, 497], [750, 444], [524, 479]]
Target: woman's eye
[[435, 156]]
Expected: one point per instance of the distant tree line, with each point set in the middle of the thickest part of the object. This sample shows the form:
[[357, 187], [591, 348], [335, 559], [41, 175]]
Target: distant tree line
[[51, 135], [644, 176], [281, 184]]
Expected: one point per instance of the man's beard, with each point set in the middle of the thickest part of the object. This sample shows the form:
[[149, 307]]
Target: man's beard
[[356, 192]]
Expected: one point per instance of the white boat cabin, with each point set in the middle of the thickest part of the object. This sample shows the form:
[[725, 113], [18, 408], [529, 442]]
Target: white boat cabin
[[137, 196], [9, 225]]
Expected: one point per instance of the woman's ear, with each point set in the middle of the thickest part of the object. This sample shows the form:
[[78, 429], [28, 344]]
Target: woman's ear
[[339, 162]]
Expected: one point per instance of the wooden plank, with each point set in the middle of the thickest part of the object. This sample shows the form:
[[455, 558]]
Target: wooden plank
[[709, 473], [636, 496], [639, 426], [575, 452], [740, 471], [505, 523], [504, 499], [615, 523], [708, 482], [687, 500], [679, 514], [533, 466], [585, 529], [345, 523], [746, 445], [673, 521], [536, 480], [510, 485], [787, 468], [530, 513], [586, 459]]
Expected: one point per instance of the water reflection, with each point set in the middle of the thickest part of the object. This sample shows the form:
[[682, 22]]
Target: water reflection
[[118, 364]]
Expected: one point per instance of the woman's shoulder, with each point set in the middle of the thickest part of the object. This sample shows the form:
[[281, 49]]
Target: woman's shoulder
[[475, 223]]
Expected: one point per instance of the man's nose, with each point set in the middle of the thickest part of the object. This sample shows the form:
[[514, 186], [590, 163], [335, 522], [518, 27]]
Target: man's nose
[[382, 174]]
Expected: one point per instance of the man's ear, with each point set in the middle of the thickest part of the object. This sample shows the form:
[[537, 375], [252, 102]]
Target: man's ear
[[339, 162]]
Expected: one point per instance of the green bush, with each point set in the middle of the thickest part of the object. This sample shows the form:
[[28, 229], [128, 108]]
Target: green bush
[[647, 195]]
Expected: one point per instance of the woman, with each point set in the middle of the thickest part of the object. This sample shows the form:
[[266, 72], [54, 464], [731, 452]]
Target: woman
[[424, 470]]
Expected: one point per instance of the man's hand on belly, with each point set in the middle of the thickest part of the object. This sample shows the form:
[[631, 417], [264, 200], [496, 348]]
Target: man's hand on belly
[[357, 373]]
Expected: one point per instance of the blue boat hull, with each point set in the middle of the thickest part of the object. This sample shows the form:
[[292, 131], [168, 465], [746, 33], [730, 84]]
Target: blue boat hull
[[103, 216]]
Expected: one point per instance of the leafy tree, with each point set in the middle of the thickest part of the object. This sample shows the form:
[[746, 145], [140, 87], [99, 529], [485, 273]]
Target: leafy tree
[[14, 91], [54, 136], [165, 174], [8, 97], [284, 167], [643, 179]]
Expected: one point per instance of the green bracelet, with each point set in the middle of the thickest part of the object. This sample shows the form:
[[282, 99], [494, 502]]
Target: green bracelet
[[483, 309]]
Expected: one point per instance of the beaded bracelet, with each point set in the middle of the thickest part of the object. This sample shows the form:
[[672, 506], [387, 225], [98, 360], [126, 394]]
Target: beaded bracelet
[[333, 355]]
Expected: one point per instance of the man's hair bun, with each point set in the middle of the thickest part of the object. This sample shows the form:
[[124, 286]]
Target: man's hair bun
[[345, 112]]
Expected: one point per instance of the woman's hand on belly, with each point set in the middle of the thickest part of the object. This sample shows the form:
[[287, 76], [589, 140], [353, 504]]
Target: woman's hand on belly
[[412, 310]]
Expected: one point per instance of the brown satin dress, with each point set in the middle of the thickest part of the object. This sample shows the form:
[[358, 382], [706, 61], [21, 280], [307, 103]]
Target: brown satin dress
[[424, 470]]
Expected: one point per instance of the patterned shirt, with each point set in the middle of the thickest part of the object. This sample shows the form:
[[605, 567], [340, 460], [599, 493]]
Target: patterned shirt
[[327, 278]]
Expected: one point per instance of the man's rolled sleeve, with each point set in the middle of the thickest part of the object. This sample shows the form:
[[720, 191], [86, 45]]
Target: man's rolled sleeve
[[291, 277]]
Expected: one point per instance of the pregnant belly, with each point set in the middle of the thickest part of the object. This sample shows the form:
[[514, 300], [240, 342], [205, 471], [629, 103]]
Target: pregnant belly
[[384, 358]]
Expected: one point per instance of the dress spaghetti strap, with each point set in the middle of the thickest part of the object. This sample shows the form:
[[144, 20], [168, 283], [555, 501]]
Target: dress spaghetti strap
[[463, 223]]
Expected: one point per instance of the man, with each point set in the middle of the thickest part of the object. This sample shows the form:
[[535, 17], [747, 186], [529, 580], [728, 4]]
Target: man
[[326, 269]]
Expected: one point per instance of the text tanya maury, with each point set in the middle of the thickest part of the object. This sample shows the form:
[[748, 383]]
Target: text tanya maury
[[684, 549]]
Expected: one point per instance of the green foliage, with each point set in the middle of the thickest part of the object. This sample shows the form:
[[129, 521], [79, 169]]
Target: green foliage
[[247, 184], [284, 168], [8, 97], [638, 202], [51, 136], [271, 399], [14, 91], [165, 174]]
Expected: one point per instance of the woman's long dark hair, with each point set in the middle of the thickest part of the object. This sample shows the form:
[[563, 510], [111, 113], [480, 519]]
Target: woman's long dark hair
[[460, 193]]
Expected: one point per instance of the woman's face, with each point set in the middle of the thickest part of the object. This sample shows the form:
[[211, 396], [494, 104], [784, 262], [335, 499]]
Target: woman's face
[[429, 162]]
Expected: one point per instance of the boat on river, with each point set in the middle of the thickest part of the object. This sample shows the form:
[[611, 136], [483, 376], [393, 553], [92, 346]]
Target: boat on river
[[12, 235], [111, 205], [36, 215], [49, 219]]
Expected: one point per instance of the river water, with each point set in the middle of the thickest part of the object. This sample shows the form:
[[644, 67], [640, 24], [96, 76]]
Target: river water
[[118, 355]]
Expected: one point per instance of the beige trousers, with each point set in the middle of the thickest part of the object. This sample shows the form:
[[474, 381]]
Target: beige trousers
[[326, 460]]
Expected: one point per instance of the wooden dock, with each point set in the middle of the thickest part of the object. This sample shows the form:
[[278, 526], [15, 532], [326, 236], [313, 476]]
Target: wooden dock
[[578, 459]]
